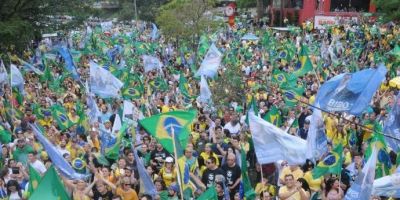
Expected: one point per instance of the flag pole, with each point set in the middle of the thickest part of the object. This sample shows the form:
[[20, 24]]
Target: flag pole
[[176, 162]]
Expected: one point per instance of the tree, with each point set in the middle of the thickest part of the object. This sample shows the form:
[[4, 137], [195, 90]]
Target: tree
[[24, 20], [186, 19], [389, 9]]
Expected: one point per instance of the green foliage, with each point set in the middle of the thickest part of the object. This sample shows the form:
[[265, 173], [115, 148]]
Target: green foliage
[[24, 20], [186, 19], [246, 3], [389, 9], [229, 85]]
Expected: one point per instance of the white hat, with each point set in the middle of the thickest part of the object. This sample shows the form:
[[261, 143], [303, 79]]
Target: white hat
[[169, 159]]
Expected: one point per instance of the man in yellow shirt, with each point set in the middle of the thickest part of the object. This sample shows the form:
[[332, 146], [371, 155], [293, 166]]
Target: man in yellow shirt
[[289, 191], [293, 170]]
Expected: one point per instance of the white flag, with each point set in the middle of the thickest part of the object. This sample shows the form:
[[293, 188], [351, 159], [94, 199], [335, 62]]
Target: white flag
[[117, 125], [211, 62], [103, 83], [273, 144], [388, 186], [150, 63], [3, 72], [16, 77], [205, 93], [316, 139]]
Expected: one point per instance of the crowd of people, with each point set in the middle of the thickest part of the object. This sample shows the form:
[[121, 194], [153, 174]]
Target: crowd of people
[[219, 132]]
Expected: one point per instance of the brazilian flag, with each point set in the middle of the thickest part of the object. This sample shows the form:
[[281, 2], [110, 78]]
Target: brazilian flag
[[34, 180], [59, 115], [283, 79], [383, 164], [184, 87], [332, 163], [291, 95], [159, 84], [161, 126], [131, 93], [273, 116], [50, 187], [210, 193], [46, 76], [113, 151], [304, 64]]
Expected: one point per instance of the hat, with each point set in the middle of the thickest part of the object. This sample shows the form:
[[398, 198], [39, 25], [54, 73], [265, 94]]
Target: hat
[[174, 187], [169, 160]]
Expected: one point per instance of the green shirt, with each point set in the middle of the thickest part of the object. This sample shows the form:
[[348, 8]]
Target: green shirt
[[21, 155]]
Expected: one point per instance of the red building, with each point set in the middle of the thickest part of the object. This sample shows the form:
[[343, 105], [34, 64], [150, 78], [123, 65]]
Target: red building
[[317, 11]]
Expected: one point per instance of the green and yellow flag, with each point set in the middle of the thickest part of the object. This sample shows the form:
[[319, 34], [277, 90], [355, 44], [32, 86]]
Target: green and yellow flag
[[304, 64], [161, 126], [291, 95], [283, 79], [273, 116], [34, 180], [383, 164], [59, 115], [184, 87], [113, 151], [50, 187], [332, 163]]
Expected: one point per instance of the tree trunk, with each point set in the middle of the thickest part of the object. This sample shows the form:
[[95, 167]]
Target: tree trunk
[[260, 9]]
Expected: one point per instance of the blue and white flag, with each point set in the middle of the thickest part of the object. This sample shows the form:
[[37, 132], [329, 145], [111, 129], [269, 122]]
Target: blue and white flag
[[362, 186], [273, 144], [145, 180], [205, 92], [154, 32], [30, 67], [212, 60], [93, 110], [69, 62], [3, 72], [392, 126], [103, 83], [112, 53], [387, 186], [316, 140], [58, 160], [350, 92], [151, 62], [16, 77]]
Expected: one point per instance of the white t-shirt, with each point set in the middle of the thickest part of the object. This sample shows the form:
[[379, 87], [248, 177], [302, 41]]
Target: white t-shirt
[[39, 166]]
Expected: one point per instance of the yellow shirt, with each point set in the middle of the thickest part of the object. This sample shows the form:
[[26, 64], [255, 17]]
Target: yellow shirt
[[330, 124], [127, 195], [168, 177], [298, 173], [295, 196], [315, 184]]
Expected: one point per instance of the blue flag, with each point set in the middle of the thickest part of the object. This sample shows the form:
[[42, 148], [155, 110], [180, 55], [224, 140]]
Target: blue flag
[[362, 186], [350, 92], [30, 67], [69, 62], [61, 164], [93, 110], [103, 83], [392, 125], [145, 179]]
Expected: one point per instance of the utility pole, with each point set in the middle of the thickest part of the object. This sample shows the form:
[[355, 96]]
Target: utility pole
[[136, 15]]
